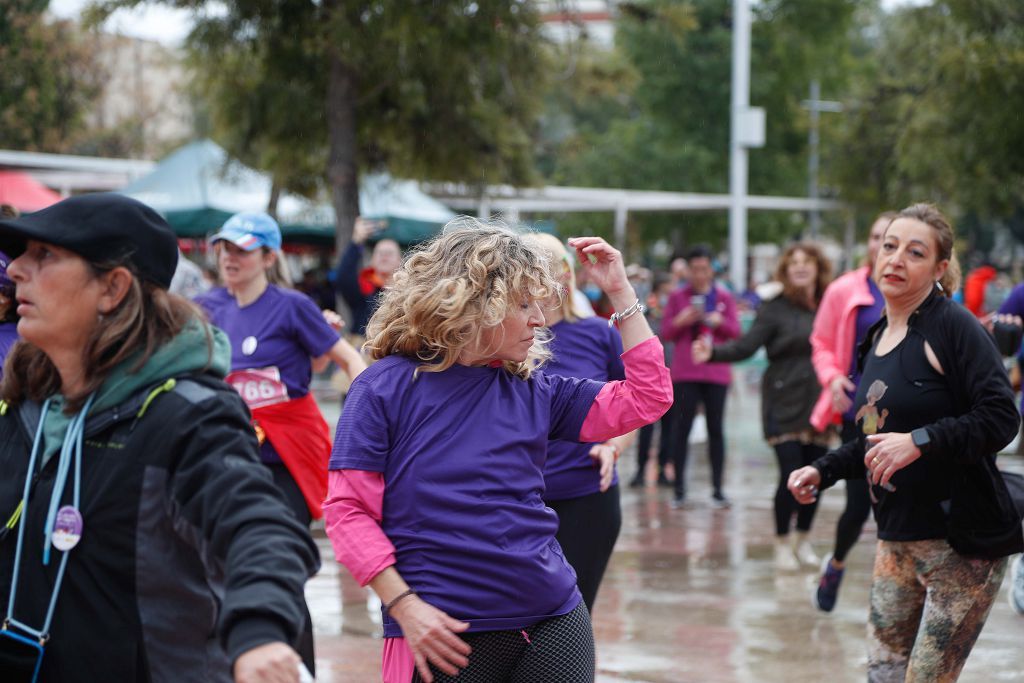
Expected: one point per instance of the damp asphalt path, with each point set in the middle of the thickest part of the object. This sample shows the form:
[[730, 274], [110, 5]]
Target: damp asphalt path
[[691, 595]]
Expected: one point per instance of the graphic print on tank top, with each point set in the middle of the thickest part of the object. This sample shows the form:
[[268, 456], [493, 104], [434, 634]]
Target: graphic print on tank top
[[899, 392]]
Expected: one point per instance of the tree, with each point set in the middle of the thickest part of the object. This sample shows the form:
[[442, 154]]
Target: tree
[[445, 90], [673, 134], [935, 115], [49, 78]]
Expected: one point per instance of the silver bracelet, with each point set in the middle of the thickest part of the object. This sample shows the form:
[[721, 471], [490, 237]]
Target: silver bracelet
[[616, 318]]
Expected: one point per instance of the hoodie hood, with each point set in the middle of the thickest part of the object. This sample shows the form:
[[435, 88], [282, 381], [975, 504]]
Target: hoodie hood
[[186, 353]]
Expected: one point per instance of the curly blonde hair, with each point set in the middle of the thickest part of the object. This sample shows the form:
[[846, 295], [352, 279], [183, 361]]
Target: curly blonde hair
[[453, 288], [561, 265]]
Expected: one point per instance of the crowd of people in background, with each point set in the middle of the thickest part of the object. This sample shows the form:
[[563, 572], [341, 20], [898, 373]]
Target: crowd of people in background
[[495, 378]]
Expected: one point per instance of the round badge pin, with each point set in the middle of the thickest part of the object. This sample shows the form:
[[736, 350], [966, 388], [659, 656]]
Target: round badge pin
[[249, 346], [67, 530]]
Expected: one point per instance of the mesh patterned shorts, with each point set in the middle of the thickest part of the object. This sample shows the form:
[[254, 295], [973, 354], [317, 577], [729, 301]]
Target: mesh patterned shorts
[[557, 649]]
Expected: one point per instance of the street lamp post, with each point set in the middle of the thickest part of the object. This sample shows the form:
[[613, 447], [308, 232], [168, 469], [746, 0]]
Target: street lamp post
[[815, 105], [746, 130]]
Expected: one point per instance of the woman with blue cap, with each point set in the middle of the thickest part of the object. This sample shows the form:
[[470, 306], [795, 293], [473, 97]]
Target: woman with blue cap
[[143, 540], [276, 333]]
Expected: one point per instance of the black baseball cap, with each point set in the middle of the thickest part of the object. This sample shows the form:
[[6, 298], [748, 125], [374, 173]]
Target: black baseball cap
[[100, 227]]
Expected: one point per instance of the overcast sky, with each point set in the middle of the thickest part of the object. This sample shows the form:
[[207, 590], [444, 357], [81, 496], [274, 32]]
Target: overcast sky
[[170, 26]]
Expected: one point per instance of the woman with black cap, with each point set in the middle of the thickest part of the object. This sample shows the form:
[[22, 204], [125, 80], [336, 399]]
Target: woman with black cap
[[143, 540]]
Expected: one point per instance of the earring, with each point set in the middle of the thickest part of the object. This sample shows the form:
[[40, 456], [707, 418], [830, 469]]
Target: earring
[[939, 286]]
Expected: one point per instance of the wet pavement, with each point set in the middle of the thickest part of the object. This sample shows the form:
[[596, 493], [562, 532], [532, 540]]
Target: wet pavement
[[692, 595]]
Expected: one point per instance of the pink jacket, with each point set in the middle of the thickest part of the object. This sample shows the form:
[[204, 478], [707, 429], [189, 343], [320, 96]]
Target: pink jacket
[[683, 367], [833, 337]]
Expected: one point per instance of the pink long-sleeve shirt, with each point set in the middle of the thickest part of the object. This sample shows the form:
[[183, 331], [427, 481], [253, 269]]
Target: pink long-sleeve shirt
[[834, 336]]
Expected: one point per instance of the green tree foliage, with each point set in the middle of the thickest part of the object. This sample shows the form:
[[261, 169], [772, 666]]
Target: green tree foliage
[[672, 132], [47, 79], [448, 89], [936, 114]]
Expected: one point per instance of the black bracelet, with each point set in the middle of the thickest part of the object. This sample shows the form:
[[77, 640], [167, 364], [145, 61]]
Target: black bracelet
[[395, 600]]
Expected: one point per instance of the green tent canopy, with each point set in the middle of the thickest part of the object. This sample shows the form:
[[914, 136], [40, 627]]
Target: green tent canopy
[[199, 186]]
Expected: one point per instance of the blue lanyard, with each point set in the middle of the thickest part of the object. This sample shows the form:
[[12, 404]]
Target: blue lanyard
[[70, 455]]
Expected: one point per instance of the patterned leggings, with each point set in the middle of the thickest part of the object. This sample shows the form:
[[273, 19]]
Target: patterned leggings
[[928, 606], [557, 649]]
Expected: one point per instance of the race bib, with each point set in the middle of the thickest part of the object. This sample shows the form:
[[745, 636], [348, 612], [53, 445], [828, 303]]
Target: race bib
[[259, 387]]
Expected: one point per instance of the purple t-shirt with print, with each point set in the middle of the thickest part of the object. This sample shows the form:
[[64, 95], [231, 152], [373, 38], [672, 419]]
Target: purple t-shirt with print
[[278, 334], [588, 349], [462, 454]]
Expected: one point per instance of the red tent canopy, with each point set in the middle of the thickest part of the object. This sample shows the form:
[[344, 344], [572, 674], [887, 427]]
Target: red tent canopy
[[24, 192]]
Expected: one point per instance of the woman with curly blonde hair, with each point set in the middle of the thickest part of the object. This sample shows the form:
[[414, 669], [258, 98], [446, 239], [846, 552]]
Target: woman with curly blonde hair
[[437, 473]]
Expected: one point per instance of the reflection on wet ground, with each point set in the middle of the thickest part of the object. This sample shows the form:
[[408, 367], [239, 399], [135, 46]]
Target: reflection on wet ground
[[692, 595]]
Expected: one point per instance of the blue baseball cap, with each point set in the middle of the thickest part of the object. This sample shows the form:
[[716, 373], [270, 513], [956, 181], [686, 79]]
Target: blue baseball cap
[[250, 231]]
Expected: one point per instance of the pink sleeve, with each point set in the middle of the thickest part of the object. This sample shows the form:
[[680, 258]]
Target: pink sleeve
[[640, 399], [823, 339], [352, 515]]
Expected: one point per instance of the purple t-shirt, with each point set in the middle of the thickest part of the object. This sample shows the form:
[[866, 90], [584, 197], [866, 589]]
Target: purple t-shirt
[[8, 335], [278, 334], [866, 317], [462, 454], [588, 349]]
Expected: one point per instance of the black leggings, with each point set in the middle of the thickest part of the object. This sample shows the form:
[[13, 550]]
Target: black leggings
[[557, 649], [858, 505], [688, 396], [646, 437], [587, 529], [793, 455]]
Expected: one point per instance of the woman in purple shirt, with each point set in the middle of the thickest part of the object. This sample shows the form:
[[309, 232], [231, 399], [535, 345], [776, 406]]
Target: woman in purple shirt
[[580, 479], [437, 472], [276, 333], [8, 311]]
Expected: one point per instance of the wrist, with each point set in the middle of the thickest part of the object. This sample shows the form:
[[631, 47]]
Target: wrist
[[622, 298], [615, 449], [402, 598]]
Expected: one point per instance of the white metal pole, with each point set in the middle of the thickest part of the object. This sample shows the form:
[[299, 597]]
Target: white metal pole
[[812, 157], [621, 214], [737, 152]]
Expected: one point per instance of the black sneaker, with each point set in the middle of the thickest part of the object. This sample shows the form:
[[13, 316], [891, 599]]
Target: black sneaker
[[720, 502], [663, 480], [637, 481]]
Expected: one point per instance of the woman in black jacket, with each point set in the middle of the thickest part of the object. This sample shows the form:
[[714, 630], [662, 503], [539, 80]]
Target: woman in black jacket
[[144, 540], [789, 388], [934, 406]]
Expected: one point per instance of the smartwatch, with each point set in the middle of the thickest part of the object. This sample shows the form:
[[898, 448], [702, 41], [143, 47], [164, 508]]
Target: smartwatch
[[921, 439]]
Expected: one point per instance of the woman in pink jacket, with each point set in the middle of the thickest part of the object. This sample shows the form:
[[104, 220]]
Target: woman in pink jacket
[[852, 303]]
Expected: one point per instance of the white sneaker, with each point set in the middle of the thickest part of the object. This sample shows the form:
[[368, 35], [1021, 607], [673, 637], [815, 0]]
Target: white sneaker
[[785, 560], [804, 552], [1015, 593]]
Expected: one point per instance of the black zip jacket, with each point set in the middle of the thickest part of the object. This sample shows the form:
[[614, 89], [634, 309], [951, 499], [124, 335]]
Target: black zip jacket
[[982, 520], [789, 388], [188, 557]]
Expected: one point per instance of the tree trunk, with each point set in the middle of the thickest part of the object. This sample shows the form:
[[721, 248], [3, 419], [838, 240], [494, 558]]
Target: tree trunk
[[275, 196], [342, 171]]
